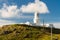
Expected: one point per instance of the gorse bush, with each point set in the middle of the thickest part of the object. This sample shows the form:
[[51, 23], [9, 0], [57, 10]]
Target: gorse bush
[[26, 32]]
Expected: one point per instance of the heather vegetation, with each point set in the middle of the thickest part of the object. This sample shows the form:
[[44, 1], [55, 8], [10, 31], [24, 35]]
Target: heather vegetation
[[25, 32]]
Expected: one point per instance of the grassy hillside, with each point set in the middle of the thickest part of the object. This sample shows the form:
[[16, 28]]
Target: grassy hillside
[[25, 32]]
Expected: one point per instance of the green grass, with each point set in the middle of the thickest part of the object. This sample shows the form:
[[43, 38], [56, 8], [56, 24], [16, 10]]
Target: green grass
[[25, 32]]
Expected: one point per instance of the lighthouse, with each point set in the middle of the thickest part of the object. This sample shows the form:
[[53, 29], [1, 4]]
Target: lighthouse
[[36, 18]]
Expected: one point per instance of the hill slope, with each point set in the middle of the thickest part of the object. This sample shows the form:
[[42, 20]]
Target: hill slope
[[25, 32]]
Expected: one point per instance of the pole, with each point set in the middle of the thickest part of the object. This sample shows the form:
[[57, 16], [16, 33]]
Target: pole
[[51, 32], [43, 25], [43, 22]]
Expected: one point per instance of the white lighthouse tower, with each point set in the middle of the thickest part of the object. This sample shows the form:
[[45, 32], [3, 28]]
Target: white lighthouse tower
[[36, 18]]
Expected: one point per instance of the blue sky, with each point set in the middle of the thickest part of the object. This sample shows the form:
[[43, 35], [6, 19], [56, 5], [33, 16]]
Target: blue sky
[[52, 17]]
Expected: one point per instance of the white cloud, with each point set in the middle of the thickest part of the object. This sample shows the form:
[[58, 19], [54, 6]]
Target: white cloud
[[56, 24], [9, 11], [38, 6], [13, 11], [5, 22]]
